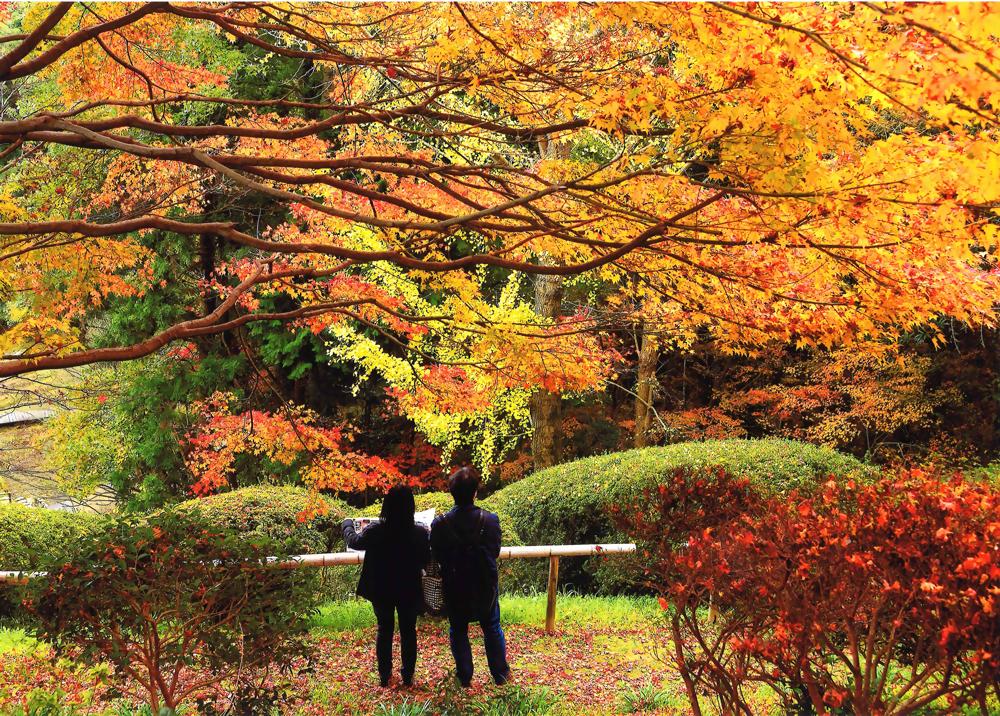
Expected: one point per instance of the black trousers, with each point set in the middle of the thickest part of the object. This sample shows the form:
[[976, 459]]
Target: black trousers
[[384, 614]]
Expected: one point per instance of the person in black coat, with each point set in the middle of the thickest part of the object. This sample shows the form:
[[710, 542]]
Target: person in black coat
[[466, 542], [396, 550]]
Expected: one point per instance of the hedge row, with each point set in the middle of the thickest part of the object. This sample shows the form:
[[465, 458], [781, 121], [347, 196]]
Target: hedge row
[[569, 503], [31, 538], [273, 512], [565, 504]]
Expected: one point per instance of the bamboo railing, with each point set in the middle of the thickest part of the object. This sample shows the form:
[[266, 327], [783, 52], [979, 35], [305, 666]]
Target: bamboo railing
[[338, 559]]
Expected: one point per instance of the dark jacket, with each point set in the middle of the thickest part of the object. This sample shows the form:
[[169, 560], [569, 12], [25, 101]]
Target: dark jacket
[[464, 520], [393, 563]]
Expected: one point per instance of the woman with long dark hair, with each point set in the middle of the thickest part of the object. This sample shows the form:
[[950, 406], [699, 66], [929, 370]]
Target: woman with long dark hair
[[396, 550]]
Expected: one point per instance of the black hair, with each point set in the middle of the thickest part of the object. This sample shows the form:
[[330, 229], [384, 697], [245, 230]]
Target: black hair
[[463, 485], [398, 508]]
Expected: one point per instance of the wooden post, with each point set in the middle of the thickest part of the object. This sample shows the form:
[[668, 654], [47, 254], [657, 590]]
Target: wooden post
[[550, 606]]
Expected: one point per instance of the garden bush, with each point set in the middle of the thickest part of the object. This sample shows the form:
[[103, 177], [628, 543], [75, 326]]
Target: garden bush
[[32, 538], [177, 605], [440, 501], [569, 503], [859, 598], [275, 512]]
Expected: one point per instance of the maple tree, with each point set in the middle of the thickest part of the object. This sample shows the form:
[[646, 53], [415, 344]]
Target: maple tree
[[904, 403], [278, 444], [847, 399], [386, 175]]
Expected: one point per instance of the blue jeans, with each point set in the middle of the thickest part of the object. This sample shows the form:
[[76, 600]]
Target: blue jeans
[[496, 645]]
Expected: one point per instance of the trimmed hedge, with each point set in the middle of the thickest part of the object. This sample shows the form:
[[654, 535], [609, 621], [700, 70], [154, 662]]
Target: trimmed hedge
[[32, 538], [272, 511], [440, 501], [568, 504]]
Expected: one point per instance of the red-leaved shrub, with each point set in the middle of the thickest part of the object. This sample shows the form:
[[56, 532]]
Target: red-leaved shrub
[[179, 607], [874, 599]]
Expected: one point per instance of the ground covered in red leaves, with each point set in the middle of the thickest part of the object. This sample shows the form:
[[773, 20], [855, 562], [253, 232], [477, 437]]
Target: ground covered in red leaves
[[588, 670], [585, 671]]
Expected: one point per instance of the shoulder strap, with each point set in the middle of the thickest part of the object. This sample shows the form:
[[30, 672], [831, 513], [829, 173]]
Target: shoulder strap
[[482, 526]]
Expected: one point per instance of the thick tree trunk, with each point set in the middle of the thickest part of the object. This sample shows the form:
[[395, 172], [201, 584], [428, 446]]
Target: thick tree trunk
[[649, 354], [546, 407]]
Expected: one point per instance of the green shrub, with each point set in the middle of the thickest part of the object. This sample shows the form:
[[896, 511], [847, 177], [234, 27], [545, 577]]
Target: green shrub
[[175, 603], [45, 703], [568, 504], [440, 501], [32, 538], [273, 511]]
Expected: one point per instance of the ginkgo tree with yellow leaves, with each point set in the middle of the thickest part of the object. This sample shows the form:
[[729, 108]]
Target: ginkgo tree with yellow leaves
[[798, 173]]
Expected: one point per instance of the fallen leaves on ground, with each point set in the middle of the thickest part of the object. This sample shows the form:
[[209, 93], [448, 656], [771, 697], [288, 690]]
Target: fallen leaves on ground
[[586, 669]]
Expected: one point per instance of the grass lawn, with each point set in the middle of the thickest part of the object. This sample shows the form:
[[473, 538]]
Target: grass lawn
[[525, 610], [608, 656], [604, 658]]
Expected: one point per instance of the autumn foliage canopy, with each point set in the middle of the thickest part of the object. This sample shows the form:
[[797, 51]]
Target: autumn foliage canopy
[[758, 173]]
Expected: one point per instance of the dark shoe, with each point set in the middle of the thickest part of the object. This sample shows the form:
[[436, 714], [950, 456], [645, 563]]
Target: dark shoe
[[502, 679], [384, 683], [407, 681]]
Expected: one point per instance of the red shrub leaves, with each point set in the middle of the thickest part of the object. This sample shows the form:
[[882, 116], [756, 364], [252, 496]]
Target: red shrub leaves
[[176, 606], [877, 598]]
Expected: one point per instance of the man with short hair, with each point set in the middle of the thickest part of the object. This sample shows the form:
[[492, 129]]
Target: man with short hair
[[466, 543]]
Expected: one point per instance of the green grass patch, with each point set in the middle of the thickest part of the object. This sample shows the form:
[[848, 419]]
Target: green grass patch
[[621, 612], [650, 699], [346, 615], [572, 610], [570, 503]]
